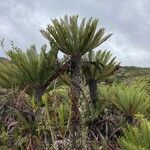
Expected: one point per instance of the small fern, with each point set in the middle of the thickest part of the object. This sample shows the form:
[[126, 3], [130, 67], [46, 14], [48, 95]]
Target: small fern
[[136, 138], [130, 100]]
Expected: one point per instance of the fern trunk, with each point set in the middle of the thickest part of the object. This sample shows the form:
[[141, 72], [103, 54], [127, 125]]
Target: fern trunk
[[38, 92], [93, 91], [75, 124]]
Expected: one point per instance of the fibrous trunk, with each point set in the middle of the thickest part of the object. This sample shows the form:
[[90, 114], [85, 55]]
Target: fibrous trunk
[[93, 91], [75, 124], [38, 92]]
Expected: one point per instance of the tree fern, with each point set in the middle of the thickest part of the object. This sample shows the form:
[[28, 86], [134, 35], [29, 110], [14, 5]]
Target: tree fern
[[32, 70], [75, 39], [98, 67]]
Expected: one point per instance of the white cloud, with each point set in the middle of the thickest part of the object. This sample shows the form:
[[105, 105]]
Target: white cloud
[[20, 21]]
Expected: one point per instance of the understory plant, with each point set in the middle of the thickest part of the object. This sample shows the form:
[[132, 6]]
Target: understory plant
[[130, 99], [136, 137]]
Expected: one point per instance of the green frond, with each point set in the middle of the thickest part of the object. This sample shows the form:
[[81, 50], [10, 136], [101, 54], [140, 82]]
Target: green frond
[[28, 68], [136, 138], [101, 65], [129, 99], [73, 37]]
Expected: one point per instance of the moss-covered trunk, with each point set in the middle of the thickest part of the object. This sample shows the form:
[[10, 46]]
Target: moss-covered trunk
[[75, 122]]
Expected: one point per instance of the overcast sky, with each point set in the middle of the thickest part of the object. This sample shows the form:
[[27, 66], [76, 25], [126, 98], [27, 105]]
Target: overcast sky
[[128, 20]]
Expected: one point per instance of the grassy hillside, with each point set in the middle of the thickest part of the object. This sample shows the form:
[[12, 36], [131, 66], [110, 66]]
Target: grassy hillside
[[137, 71]]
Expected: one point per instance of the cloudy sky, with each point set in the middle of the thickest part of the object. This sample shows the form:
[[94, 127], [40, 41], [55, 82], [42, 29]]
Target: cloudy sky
[[128, 20]]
